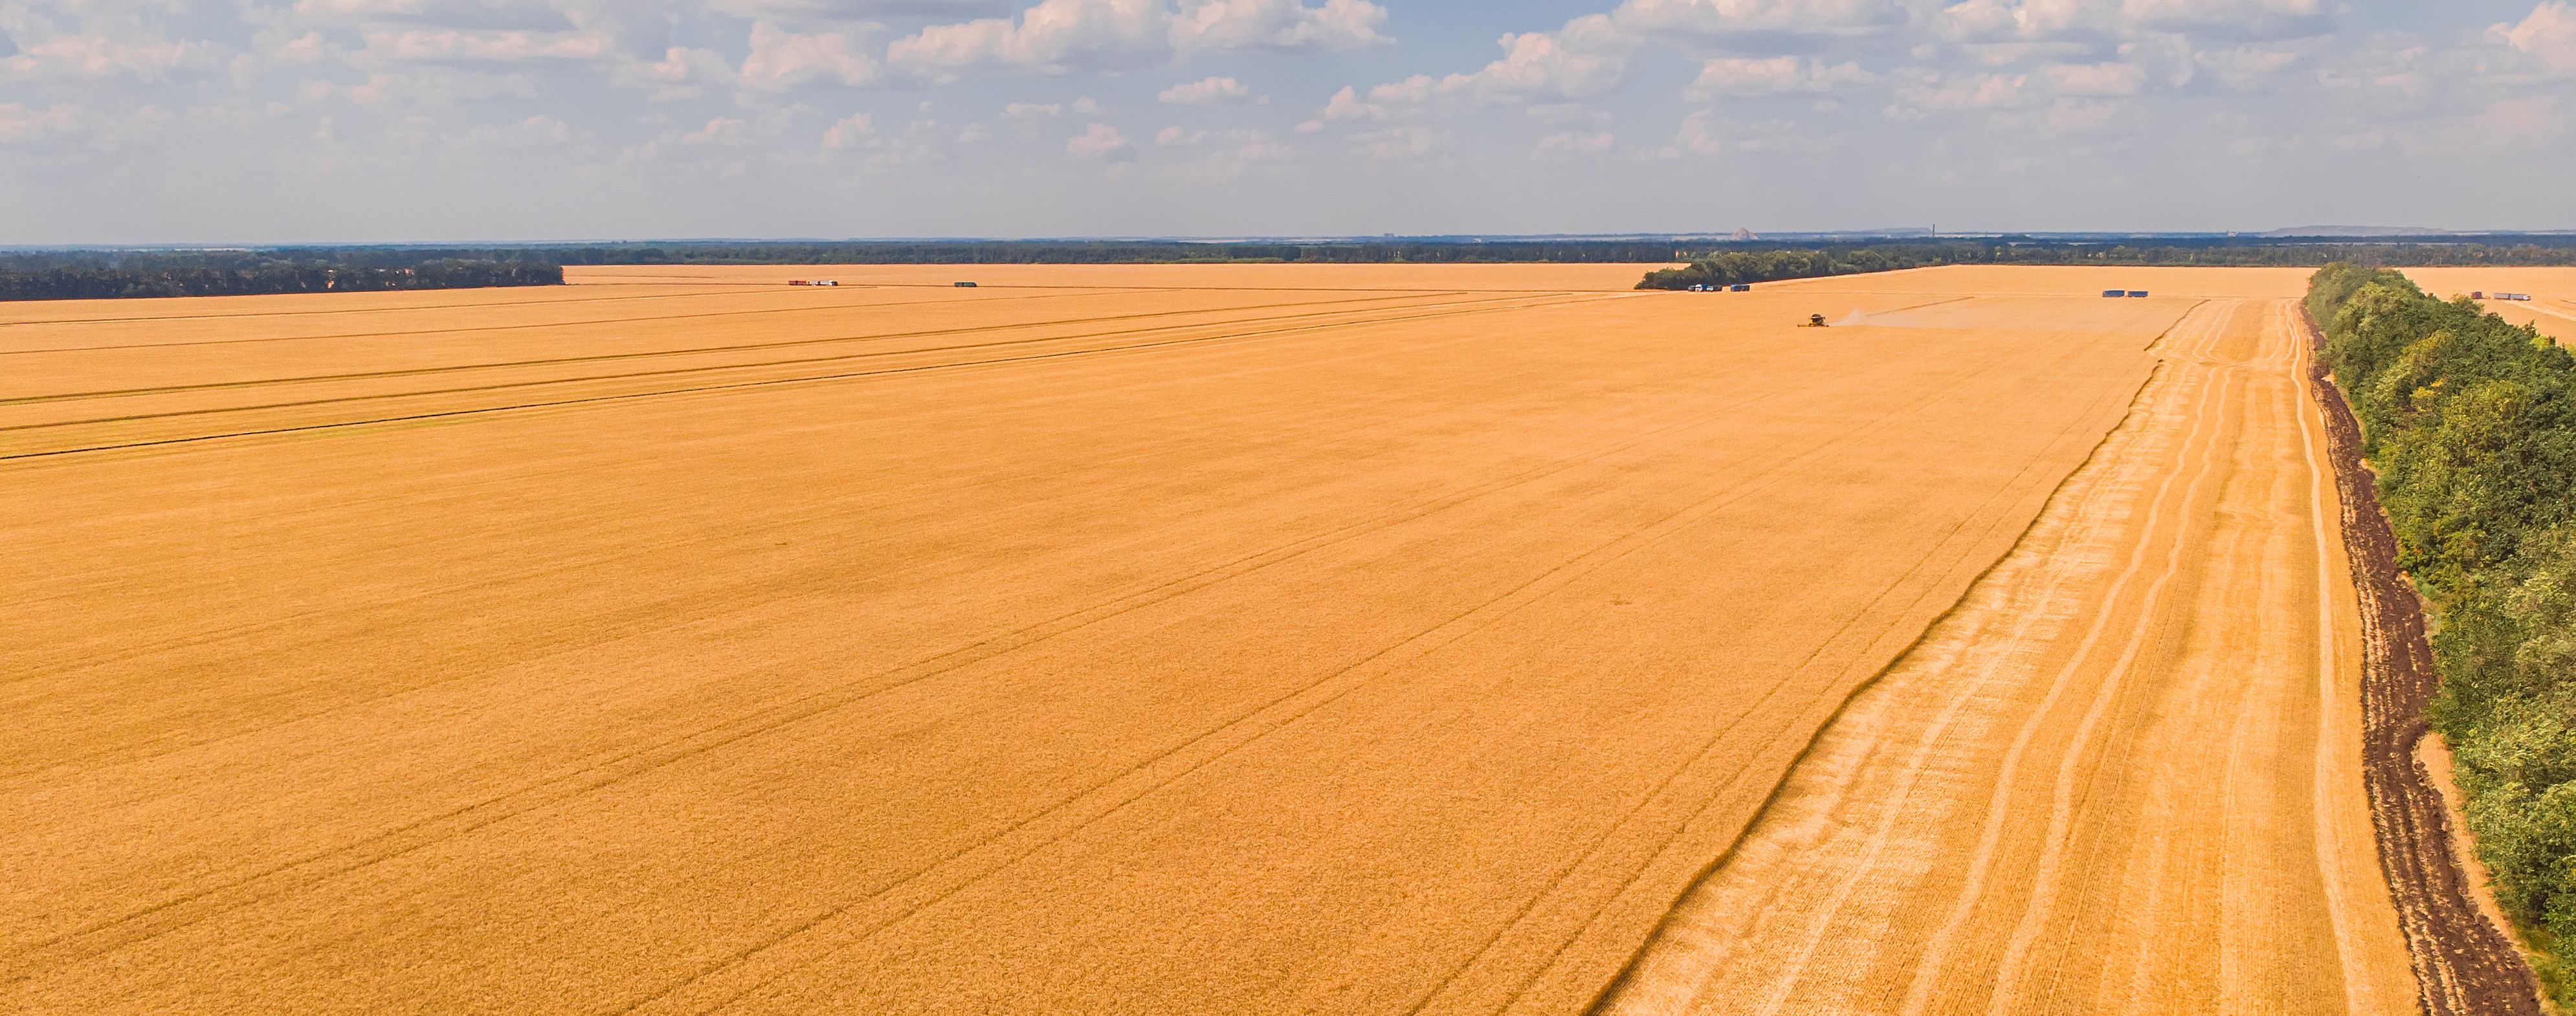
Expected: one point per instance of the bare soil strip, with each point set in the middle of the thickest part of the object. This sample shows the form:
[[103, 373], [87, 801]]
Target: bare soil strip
[[2463, 963], [2123, 775]]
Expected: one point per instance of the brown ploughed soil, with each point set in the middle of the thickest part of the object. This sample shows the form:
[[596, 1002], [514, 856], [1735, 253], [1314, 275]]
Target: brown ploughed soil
[[2465, 965], [1098, 641], [2124, 776]]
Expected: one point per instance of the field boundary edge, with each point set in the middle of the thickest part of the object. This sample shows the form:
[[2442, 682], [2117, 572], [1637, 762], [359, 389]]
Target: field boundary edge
[[2464, 965], [2137, 398]]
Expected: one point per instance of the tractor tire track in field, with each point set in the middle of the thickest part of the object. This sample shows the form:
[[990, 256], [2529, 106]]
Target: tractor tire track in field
[[695, 389], [1284, 711], [302, 873], [2464, 965], [1357, 669], [665, 354], [345, 311], [847, 308]]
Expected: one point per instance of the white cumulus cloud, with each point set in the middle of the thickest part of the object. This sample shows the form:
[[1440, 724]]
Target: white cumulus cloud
[[780, 59], [431, 45], [1780, 75], [1060, 35], [1536, 66], [1053, 35], [1085, 106], [1100, 141], [1277, 24], [1952, 93], [1718, 18], [2548, 33], [850, 133], [1209, 91], [2097, 79], [78, 56], [2027, 20]]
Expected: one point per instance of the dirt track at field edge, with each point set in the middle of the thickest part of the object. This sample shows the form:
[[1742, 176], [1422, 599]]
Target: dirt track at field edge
[[2464, 964]]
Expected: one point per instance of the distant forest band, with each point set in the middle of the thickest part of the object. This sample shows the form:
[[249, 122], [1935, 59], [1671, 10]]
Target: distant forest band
[[87, 282], [102, 274]]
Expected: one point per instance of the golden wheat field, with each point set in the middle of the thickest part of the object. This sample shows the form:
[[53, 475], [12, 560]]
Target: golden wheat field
[[2552, 307], [1247, 638]]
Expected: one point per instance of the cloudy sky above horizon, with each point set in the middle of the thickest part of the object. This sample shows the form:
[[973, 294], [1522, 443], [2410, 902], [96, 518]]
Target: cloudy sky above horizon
[[263, 121]]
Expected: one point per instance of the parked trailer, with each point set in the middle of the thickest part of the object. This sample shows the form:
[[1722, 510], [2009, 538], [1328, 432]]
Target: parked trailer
[[2137, 292], [2115, 292], [1742, 287], [965, 285], [2513, 296]]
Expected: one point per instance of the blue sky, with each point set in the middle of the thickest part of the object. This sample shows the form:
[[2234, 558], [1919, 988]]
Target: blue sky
[[259, 121]]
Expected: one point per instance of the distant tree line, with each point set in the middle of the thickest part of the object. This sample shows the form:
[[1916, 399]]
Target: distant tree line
[[2471, 423], [1748, 263], [60, 274], [1779, 260], [1078, 252], [93, 276]]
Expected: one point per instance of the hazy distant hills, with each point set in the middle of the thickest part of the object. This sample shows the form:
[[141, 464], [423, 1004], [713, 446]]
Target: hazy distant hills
[[2359, 231]]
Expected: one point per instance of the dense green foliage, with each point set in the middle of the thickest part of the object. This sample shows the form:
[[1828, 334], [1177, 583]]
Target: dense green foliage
[[1738, 266], [1747, 263], [2472, 424], [91, 275]]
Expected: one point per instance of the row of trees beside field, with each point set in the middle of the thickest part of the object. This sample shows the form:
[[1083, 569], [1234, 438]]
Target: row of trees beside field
[[112, 281], [1748, 264], [1737, 267], [2471, 423]]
